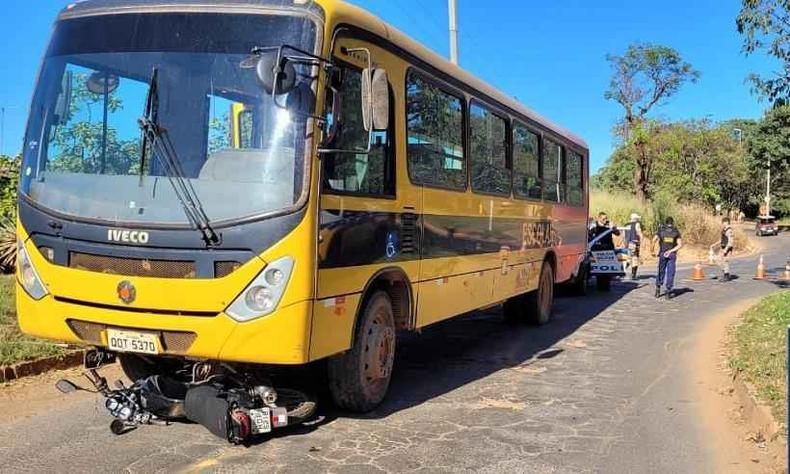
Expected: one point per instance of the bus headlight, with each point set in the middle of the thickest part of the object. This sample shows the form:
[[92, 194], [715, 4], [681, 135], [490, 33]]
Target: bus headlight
[[28, 277], [263, 295]]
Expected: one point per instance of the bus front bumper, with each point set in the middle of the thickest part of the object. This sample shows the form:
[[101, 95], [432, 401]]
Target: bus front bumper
[[279, 338]]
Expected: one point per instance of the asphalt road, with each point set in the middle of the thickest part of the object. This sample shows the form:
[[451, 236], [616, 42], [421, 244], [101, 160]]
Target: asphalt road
[[603, 388]]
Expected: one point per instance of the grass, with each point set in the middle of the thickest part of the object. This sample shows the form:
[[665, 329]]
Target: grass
[[698, 226], [759, 353], [14, 346]]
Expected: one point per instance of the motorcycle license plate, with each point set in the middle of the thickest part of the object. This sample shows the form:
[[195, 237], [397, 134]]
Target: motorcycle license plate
[[132, 341], [261, 420]]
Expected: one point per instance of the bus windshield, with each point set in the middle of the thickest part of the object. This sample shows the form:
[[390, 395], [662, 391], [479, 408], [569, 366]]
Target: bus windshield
[[241, 149]]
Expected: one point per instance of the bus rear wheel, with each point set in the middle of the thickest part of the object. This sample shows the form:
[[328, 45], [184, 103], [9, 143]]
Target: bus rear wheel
[[360, 377], [534, 307], [579, 285], [541, 302]]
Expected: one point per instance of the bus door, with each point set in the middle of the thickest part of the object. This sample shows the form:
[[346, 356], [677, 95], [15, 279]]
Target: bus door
[[368, 219]]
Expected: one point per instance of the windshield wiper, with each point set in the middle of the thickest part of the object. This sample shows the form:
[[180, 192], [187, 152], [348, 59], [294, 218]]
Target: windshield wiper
[[157, 140]]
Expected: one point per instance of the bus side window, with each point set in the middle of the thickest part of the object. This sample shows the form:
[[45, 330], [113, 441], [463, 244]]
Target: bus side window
[[357, 173], [242, 126], [435, 135], [574, 179], [552, 162], [488, 150], [526, 163]]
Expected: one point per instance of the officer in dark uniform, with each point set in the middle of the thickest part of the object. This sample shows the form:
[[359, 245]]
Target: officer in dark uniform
[[669, 242], [603, 225]]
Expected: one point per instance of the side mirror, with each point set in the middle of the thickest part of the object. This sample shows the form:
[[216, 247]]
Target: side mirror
[[375, 99], [273, 77], [96, 358], [101, 83], [381, 99]]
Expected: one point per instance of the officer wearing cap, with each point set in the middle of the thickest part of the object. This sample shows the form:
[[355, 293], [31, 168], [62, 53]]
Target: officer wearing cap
[[669, 242], [727, 244], [635, 242]]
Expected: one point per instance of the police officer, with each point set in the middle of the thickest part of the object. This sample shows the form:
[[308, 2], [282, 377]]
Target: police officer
[[669, 242], [603, 225], [727, 244], [635, 242]]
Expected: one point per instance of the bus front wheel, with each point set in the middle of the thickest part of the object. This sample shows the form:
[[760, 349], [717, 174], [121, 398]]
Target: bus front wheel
[[360, 377]]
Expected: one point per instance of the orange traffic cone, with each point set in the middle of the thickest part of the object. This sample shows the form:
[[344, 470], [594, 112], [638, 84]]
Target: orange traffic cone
[[698, 274], [760, 270], [787, 271]]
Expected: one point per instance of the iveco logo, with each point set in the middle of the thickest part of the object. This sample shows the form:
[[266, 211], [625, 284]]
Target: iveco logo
[[128, 236], [126, 292]]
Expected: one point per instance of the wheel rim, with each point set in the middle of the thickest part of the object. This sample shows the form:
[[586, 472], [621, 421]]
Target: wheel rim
[[378, 354]]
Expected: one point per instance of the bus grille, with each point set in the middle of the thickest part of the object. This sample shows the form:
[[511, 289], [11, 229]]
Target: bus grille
[[173, 342], [132, 266], [225, 268]]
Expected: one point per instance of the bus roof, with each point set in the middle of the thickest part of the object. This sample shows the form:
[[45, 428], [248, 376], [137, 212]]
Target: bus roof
[[347, 13], [342, 12]]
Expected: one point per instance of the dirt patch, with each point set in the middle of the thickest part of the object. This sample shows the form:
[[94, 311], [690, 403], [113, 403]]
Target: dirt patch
[[736, 446], [27, 396], [39, 366], [498, 403]]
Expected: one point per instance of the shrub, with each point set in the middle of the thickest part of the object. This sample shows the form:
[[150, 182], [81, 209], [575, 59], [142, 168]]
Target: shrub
[[698, 226], [7, 246], [9, 180]]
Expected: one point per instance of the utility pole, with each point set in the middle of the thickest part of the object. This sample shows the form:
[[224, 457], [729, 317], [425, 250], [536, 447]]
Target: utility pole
[[768, 191], [2, 131], [453, 32]]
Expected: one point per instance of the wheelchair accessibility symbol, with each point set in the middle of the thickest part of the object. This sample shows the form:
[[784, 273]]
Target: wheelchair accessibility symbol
[[392, 245]]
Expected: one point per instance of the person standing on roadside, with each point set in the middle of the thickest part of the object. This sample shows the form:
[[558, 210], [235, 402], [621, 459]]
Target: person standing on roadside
[[727, 244], [669, 242], [635, 242]]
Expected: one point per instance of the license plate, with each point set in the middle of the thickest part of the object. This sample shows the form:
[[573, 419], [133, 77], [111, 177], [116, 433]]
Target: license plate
[[261, 420], [604, 255], [131, 341]]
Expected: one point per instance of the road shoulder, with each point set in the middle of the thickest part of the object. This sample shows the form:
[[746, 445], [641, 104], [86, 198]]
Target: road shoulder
[[736, 447]]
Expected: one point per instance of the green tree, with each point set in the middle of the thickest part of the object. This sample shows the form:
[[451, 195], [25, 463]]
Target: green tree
[[765, 26], [78, 145], [694, 161], [769, 146], [644, 77]]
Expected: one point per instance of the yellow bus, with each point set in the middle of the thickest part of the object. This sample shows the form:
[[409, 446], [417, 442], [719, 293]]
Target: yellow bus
[[278, 182]]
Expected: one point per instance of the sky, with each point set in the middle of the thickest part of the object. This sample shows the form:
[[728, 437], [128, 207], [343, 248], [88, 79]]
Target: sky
[[549, 55]]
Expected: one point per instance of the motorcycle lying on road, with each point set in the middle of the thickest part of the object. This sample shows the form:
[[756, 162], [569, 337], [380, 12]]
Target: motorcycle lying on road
[[236, 406]]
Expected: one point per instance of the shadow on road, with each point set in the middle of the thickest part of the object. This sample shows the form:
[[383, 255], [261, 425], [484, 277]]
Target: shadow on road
[[450, 354], [678, 292], [454, 353]]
